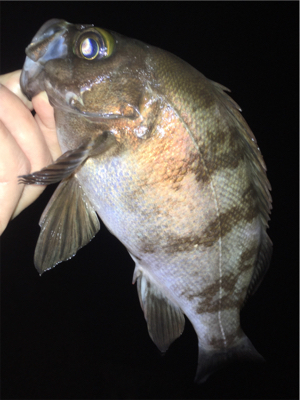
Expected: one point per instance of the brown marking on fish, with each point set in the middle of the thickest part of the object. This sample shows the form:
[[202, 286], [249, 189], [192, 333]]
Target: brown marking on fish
[[208, 301], [197, 167], [218, 342], [226, 151], [248, 256], [221, 151], [207, 293], [226, 221], [172, 243]]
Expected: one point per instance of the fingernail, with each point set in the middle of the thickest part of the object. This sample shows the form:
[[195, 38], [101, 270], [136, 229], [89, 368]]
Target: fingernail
[[44, 96]]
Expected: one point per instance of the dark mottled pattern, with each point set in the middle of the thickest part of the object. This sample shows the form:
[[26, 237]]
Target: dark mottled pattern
[[215, 123], [248, 256], [227, 220], [208, 301], [211, 234], [218, 343], [221, 151]]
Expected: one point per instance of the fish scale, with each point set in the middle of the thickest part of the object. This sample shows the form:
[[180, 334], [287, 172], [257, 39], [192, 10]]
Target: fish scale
[[164, 157]]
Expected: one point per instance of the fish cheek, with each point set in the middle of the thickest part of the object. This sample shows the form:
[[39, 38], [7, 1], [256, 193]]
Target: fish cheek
[[118, 98], [59, 72]]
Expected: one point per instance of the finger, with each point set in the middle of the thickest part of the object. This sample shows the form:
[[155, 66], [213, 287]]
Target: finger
[[24, 129], [29, 195], [45, 120], [12, 162], [12, 82]]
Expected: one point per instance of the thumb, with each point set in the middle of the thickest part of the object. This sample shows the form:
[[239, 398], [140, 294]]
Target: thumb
[[46, 122]]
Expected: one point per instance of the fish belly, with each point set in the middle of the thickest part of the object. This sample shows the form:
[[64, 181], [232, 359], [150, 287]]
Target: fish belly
[[196, 242]]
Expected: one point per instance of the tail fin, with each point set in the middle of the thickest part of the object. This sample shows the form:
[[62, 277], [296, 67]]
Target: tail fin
[[211, 361]]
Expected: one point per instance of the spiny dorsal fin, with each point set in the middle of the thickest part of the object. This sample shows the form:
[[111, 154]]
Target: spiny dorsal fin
[[248, 142], [258, 176], [68, 223], [165, 321]]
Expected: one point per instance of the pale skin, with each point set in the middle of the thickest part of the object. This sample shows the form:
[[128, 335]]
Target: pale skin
[[27, 144]]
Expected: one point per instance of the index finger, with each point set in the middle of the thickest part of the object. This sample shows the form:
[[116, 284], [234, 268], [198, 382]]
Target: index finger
[[12, 82], [21, 124]]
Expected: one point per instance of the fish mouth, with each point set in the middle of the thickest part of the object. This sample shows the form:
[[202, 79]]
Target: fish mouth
[[49, 43]]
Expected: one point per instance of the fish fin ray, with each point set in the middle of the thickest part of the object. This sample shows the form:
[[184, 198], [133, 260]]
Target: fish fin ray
[[68, 223], [68, 162], [165, 321], [211, 361], [62, 168], [248, 142]]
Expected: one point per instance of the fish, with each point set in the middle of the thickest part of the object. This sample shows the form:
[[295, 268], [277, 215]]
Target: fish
[[162, 155]]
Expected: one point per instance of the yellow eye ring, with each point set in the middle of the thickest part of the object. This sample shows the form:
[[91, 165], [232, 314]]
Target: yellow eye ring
[[109, 41]]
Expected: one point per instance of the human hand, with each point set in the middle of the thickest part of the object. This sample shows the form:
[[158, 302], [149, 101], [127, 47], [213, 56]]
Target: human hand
[[27, 144]]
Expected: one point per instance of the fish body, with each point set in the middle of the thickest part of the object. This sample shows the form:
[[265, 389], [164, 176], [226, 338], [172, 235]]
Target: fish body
[[166, 160]]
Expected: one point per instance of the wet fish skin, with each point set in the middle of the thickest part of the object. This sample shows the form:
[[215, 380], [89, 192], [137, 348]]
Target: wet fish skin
[[164, 157]]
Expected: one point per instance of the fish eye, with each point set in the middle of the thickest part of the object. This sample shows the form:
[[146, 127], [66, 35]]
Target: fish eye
[[89, 48], [93, 44]]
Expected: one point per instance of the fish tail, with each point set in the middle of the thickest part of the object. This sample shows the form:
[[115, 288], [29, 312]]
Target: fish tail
[[211, 361]]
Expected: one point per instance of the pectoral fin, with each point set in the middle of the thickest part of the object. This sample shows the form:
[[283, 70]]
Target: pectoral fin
[[67, 164], [63, 167], [165, 321], [68, 223]]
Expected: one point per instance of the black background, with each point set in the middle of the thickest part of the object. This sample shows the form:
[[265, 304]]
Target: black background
[[78, 331]]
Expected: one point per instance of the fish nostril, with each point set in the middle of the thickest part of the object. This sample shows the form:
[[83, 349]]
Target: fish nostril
[[36, 50], [44, 37]]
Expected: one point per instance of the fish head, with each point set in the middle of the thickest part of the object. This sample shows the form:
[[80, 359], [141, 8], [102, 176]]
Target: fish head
[[92, 73]]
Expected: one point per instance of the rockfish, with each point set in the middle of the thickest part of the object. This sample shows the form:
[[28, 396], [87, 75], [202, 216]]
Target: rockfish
[[164, 157]]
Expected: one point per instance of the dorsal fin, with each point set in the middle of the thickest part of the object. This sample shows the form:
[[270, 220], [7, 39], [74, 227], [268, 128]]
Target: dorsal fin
[[258, 176], [252, 152], [165, 321]]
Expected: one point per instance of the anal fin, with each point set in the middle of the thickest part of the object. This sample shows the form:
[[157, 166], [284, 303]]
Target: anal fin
[[68, 223], [165, 321]]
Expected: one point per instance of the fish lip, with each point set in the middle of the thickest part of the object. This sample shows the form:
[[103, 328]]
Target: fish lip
[[31, 81], [48, 42]]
